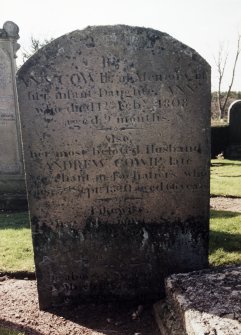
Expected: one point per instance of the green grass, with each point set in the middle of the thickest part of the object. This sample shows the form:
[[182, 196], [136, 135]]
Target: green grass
[[225, 227], [225, 238], [7, 331], [15, 243], [226, 177]]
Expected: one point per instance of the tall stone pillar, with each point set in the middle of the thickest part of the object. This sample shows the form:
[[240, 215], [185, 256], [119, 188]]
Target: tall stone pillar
[[12, 183]]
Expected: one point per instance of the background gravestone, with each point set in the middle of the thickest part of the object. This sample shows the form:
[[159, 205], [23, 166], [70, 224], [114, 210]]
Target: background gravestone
[[233, 151], [12, 184], [234, 117], [115, 124]]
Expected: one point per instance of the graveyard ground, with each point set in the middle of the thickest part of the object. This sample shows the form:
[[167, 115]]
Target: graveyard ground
[[18, 298], [19, 310]]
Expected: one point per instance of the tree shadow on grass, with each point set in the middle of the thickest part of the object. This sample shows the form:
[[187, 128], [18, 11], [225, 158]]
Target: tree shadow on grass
[[237, 163], [18, 328], [229, 242], [223, 240], [232, 176], [223, 214], [14, 220]]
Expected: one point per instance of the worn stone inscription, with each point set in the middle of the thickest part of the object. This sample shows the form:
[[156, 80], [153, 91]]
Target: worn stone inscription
[[115, 124]]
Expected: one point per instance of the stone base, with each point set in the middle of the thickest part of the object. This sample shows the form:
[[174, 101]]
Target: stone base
[[204, 302], [233, 151], [168, 322], [13, 195]]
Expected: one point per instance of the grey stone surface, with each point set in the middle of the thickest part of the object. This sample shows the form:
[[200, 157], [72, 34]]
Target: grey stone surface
[[202, 303], [12, 184], [115, 124]]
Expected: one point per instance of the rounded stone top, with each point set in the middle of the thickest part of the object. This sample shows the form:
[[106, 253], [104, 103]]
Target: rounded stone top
[[233, 109], [234, 104], [11, 29]]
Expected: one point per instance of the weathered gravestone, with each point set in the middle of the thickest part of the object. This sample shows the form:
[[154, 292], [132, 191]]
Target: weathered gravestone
[[12, 184], [115, 124], [233, 151], [234, 116]]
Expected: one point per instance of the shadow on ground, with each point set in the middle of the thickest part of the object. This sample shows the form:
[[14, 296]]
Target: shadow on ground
[[107, 319], [112, 318]]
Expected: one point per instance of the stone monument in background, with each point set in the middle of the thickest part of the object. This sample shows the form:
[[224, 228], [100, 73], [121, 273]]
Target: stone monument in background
[[116, 134], [12, 184], [234, 120], [233, 151]]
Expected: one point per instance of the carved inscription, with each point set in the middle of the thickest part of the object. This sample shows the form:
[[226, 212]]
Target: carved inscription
[[147, 104], [121, 106]]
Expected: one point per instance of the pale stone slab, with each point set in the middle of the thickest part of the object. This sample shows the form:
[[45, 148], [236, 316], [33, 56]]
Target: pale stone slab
[[12, 184], [115, 125], [204, 302], [10, 157]]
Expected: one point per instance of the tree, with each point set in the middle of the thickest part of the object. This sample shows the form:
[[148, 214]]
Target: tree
[[221, 63], [35, 46]]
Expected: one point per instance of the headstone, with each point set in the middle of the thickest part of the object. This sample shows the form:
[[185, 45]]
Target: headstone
[[234, 117], [115, 124], [233, 149], [12, 184]]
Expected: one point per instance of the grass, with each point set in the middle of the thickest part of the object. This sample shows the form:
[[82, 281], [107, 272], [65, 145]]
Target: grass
[[226, 177], [225, 227], [6, 331], [15, 243], [225, 238]]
